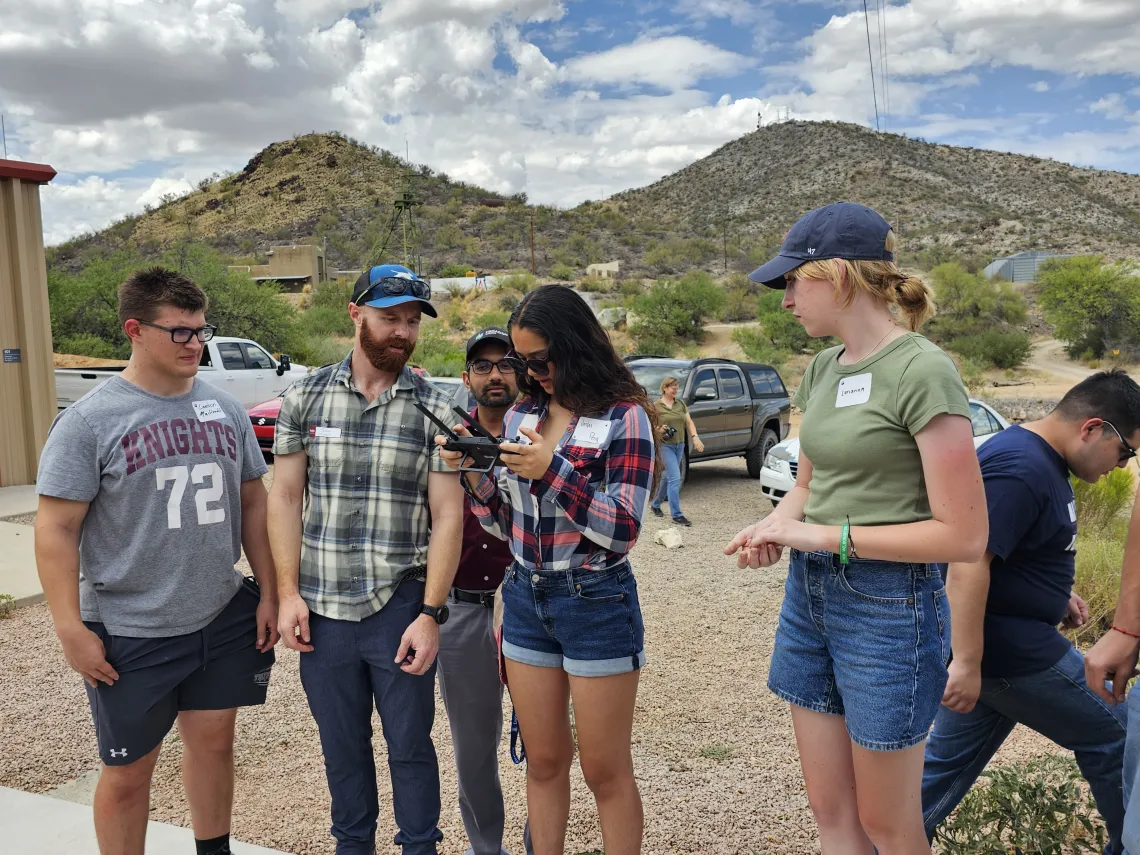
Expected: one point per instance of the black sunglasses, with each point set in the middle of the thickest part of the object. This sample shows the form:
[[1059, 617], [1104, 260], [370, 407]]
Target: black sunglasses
[[537, 367], [1128, 452], [486, 366], [396, 286], [182, 335]]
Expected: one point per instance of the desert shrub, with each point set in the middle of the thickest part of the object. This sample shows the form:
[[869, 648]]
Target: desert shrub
[[994, 348], [1040, 806]]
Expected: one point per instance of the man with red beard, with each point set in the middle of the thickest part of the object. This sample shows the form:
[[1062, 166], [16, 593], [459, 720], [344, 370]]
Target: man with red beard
[[366, 524]]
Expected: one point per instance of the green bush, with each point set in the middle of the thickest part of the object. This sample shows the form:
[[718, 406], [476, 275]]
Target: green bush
[[85, 344], [994, 348], [439, 356], [593, 285], [316, 351], [452, 315], [1040, 806], [453, 271], [675, 311], [1101, 503], [508, 301], [520, 281], [326, 321], [1100, 555], [758, 348], [562, 272], [1092, 306], [740, 304], [334, 294], [490, 319], [630, 288]]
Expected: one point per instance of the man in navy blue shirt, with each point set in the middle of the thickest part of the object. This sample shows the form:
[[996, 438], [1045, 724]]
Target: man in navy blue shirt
[[1010, 665]]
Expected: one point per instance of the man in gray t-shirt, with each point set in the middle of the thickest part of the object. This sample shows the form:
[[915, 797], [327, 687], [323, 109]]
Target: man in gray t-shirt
[[150, 485]]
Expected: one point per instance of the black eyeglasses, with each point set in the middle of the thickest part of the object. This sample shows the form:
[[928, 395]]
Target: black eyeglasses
[[396, 286], [182, 335], [537, 367], [486, 366], [1128, 452]]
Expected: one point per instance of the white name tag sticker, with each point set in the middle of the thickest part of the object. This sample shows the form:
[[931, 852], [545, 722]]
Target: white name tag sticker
[[530, 422], [209, 411], [324, 432], [590, 433], [1072, 511], [853, 391]]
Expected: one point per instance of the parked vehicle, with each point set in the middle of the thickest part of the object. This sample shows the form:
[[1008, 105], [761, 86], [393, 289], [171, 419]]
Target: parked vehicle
[[740, 409], [264, 415], [237, 365], [782, 463]]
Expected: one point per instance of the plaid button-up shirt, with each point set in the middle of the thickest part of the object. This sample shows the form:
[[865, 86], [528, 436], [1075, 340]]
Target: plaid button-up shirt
[[586, 511], [366, 521]]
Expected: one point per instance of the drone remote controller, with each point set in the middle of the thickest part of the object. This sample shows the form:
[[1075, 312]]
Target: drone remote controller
[[482, 449]]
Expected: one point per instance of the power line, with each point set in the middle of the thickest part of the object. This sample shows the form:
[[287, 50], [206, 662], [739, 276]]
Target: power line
[[871, 61], [886, 59]]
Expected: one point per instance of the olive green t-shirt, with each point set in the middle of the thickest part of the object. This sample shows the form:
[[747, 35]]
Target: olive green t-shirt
[[859, 425], [673, 417]]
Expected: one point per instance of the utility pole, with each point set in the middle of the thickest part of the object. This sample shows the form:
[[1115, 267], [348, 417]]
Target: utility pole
[[4, 136], [532, 270]]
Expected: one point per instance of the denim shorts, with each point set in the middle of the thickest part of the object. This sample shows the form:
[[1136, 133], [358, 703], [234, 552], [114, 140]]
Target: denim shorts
[[869, 641], [586, 622]]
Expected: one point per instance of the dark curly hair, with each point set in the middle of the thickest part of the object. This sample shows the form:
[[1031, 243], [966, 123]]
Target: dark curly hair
[[590, 376]]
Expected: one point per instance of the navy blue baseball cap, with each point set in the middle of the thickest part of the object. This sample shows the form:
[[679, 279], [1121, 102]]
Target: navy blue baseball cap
[[842, 230], [389, 285]]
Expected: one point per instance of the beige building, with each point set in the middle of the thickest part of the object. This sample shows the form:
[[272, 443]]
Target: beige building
[[293, 266], [27, 375], [609, 270]]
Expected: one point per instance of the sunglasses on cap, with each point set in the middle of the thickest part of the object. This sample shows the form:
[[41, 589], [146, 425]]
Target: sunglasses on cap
[[395, 286], [537, 367]]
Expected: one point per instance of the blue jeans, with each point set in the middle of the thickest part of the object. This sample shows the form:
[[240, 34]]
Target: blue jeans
[[351, 667], [671, 456], [586, 622], [1132, 775], [868, 641], [1057, 704]]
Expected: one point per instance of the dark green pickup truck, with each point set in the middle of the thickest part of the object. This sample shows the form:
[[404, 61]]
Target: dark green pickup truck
[[741, 409]]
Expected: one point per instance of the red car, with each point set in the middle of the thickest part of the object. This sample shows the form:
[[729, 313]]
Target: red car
[[264, 418]]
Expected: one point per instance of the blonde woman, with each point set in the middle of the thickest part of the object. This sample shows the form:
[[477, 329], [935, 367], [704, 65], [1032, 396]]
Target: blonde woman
[[673, 414], [888, 484]]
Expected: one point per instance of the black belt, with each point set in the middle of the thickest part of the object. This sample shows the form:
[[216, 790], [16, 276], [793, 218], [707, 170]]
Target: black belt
[[482, 598]]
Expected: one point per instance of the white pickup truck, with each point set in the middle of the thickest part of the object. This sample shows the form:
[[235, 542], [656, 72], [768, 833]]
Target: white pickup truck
[[239, 366]]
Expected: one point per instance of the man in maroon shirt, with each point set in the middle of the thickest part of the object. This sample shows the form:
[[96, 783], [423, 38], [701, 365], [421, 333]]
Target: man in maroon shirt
[[468, 655]]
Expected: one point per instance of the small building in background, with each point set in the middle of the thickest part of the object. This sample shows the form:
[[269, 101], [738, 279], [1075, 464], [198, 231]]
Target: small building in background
[[293, 266], [1021, 267], [609, 270]]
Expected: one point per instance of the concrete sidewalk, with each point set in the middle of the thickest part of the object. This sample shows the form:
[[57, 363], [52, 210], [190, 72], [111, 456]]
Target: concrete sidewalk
[[40, 825], [17, 501], [18, 575]]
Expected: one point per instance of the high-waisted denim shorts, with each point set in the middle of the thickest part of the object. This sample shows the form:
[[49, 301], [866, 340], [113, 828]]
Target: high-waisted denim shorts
[[868, 641], [587, 622]]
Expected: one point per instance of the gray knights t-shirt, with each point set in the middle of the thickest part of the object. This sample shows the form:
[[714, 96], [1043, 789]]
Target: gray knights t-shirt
[[163, 478]]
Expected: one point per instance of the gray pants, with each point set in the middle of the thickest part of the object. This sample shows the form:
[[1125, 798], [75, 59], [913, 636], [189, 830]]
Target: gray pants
[[473, 697]]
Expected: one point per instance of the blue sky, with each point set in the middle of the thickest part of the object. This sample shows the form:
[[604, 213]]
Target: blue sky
[[565, 100]]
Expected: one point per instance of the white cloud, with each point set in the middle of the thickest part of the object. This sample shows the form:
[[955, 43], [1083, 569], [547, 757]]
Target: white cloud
[[672, 62], [1114, 106], [161, 188], [1040, 86]]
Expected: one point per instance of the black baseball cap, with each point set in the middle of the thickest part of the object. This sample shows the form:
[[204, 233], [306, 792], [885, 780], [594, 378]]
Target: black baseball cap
[[842, 230], [489, 334]]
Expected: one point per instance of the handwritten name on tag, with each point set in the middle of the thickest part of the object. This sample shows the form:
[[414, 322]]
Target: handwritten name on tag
[[853, 391], [324, 431], [209, 411], [590, 433]]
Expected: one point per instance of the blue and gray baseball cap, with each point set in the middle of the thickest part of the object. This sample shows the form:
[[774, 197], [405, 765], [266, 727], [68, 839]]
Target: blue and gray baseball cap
[[389, 285], [842, 230]]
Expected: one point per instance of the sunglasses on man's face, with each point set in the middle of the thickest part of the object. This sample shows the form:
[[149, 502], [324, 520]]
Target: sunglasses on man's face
[[1127, 452], [182, 335], [537, 367]]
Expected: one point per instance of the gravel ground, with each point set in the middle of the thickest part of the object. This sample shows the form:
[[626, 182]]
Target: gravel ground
[[713, 749]]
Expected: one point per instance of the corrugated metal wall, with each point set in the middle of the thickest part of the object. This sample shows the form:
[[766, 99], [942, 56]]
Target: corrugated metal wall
[[27, 373]]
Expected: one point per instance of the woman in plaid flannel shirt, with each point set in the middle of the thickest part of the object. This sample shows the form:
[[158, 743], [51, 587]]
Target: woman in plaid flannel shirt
[[570, 501]]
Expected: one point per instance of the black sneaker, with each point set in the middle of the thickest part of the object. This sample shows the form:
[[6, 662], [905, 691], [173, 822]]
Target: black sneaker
[[656, 511], [681, 520]]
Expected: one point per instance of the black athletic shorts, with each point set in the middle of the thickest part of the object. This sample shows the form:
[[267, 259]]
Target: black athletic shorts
[[216, 668]]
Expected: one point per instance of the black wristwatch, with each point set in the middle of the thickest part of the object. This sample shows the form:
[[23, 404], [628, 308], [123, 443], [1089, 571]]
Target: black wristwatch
[[436, 613]]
